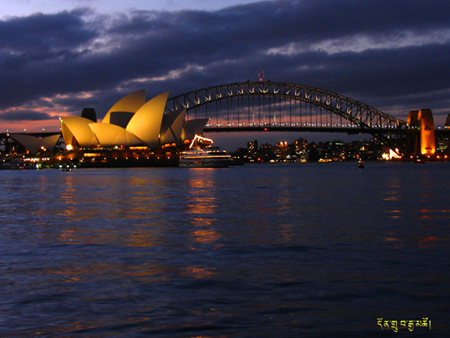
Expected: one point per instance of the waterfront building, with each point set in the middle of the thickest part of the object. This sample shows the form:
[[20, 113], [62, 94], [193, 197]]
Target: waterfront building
[[133, 133], [131, 122]]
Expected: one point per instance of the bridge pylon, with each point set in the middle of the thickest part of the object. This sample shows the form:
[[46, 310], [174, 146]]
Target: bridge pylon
[[421, 138]]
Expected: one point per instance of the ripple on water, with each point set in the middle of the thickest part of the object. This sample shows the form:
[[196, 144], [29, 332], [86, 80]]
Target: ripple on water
[[253, 251]]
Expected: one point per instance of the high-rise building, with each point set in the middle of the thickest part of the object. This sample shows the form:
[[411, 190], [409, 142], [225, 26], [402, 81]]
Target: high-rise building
[[252, 146]]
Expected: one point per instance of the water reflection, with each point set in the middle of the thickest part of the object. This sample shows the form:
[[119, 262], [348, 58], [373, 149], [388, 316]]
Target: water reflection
[[201, 192], [68, 198], [198, 272], [201, 204], [146, 204], [427, 242], [170, 252], [95, 271], [205, 236]]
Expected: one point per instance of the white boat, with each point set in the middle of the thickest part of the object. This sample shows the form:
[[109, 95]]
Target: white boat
[[205, 158]]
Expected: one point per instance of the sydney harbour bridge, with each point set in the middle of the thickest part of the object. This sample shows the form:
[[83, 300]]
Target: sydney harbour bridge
[[271, 106]]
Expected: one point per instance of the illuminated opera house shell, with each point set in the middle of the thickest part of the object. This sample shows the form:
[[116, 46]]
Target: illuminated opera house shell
[[35, 144], [132, 122]]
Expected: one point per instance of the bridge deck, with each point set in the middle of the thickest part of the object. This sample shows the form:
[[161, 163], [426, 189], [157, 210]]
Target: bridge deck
[[324, 129]]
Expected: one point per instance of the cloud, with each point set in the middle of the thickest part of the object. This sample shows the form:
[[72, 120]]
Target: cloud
[[25, 115], [44, 33], [389, 54]]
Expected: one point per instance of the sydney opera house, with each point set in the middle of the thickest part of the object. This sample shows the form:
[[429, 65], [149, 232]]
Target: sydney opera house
[[133, 133], [132, 122]]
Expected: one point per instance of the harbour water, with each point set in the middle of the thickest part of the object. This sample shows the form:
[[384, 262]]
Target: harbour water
[[291, 250]]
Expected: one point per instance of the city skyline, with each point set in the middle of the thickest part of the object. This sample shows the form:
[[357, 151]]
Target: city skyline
[[60, 57]]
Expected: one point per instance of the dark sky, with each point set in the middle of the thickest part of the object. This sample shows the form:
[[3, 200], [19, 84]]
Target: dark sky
[[392, 55]]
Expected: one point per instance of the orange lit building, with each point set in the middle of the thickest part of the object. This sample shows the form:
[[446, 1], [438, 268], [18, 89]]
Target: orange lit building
[[422, 139], [133, 133], [132, 122]]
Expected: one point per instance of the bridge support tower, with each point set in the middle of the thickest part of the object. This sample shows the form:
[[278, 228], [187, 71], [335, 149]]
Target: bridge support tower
[[421, 135]]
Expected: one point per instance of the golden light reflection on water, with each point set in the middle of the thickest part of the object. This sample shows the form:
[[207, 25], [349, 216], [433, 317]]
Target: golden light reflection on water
[[205, 236], [68, 198], [81, 273], [198, 272], [145, 237], [424, 242], [396, 213], [427, 214], [201, 193], [424, 214], [394, 241], [202, 204], [427, 242], [286, 233], [142, 238]]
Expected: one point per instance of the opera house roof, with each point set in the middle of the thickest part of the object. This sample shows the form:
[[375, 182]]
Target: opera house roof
[[35, 144], [132, 122]]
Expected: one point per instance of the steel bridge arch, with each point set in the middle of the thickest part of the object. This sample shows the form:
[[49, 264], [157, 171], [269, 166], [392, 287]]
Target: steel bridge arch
[[357, 113]]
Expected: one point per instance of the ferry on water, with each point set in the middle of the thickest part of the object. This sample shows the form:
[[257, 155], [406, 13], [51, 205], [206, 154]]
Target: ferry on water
[[18, 164], [209, 157], [205, 158]]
